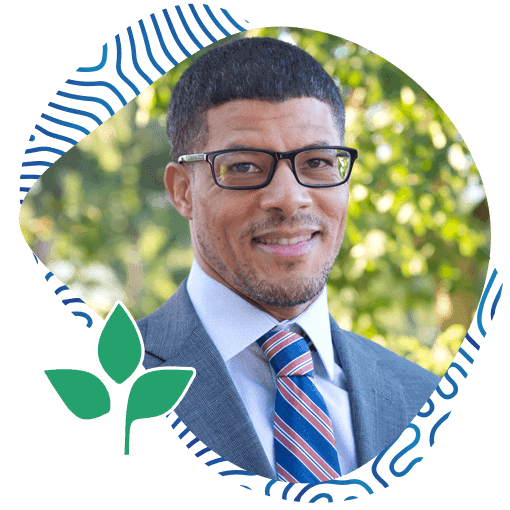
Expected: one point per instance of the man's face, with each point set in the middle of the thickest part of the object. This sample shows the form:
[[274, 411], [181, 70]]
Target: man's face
[[274, 246]]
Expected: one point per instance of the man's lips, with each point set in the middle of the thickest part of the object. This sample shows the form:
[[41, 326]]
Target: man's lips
[[287, 246], [283, 240]]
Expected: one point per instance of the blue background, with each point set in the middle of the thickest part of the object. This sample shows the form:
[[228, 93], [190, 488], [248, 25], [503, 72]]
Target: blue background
[[457, 53]]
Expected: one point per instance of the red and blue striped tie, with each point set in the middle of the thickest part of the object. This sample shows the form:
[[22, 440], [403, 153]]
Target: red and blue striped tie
[[305, 449]]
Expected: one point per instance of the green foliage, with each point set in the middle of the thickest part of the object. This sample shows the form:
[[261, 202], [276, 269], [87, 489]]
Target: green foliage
[[416, 246]]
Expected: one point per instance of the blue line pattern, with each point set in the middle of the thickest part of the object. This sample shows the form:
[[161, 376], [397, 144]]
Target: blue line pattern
[[148, 48], [119, 67], [95, 118], [44, 149], [99, 66], [186, 27], [216, 22], [66, 124], [161, 41], [174, 34], [200, 24], [86, 98], [135, 61]]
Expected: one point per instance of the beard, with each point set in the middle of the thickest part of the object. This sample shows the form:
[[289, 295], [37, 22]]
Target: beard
[[295, 291], [291, 290]]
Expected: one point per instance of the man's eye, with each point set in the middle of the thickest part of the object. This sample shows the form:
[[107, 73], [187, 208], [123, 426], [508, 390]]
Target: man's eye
[[243, 168], [317, 163]]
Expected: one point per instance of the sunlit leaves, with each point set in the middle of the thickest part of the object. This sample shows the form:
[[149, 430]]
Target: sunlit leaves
[[104, 203]]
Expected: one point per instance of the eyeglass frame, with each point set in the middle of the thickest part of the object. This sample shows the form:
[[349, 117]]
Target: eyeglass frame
[[277, 156]]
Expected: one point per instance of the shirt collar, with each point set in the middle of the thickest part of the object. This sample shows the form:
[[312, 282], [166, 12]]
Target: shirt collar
[[234, 323]]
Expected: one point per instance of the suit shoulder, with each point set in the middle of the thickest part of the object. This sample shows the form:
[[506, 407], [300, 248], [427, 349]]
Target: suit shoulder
[[397, 366]]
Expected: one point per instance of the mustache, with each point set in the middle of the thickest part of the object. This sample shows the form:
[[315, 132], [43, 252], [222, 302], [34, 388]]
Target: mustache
[[301, 221]]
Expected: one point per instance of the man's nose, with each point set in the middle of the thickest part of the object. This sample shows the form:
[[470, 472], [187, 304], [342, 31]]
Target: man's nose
[[284, 192]]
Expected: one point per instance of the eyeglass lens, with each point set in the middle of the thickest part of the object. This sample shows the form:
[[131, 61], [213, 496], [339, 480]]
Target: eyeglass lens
[[251, 168]]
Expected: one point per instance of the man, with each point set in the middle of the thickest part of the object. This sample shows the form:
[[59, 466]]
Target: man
[[256, 128]]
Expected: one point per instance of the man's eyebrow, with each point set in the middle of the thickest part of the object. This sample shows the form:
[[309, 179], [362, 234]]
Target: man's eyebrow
[[248, 147]]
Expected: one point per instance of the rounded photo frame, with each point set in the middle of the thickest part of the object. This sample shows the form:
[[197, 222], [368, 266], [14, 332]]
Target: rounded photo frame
[[384, 467]]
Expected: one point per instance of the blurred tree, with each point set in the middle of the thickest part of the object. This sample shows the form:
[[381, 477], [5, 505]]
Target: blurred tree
[[415, 254]]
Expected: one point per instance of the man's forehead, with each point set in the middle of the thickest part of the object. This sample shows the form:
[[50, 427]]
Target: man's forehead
[[242, 118]]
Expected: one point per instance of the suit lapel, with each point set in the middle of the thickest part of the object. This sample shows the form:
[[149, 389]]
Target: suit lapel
[[377, 404], [212, 409]]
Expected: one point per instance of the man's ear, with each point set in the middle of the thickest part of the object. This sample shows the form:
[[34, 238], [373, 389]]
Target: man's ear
[[178, 181]]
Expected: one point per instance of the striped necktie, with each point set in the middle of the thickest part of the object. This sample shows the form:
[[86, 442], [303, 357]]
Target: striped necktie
[[305, 449]]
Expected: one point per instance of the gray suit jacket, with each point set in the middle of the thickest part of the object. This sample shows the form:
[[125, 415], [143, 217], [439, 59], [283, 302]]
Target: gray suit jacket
[[385, 390]]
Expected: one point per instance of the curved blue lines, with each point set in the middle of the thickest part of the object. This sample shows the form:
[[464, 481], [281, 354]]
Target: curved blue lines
[[322, 496], [448, 377], [201, 452], [429, 411], [403, 452], [350, 497], [246, 487], [466, 355], [85, 316], [183, 433], [36, 259], [472, 342], [31, 176], [175, 423], [45, 149], [133, 56], [148, 48], [186, 27], [286, 490], [216, 22], [32, 138], [236, 472], [71, 300], [376, 463], [215, 461], [48, 276], [61, 289], [54, 135], [99, 84], [26, 190], [200, 23], [304, 490], [268, 487], [65, 124], [192, 442], [482, 302], [36, 163], [161, 41], [459, 368], [495, 303], [233, 21], [95, 118], [123, 77], [88, 98], [354, 481], [174, 34], [436, 426], [99, 66]]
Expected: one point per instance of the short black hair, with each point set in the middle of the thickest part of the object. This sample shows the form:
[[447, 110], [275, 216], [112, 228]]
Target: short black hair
[[248, 68]]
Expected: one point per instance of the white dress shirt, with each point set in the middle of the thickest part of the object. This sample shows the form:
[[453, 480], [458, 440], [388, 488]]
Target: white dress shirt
[[235, 325]]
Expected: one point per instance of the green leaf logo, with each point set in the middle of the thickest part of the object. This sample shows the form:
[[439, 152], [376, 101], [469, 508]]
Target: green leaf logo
[[157, 392], [120, 351], [83, 393], [119, 348]]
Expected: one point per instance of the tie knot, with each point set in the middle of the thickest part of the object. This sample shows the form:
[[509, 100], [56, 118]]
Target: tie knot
[[287, 352]]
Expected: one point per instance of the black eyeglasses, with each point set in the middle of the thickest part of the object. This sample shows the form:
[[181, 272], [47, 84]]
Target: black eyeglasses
[[316, 167]]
